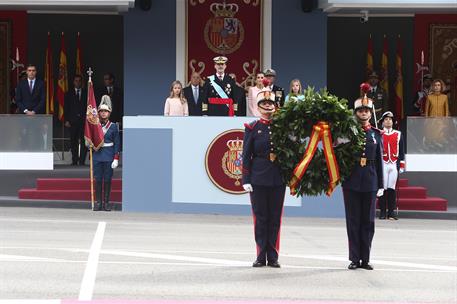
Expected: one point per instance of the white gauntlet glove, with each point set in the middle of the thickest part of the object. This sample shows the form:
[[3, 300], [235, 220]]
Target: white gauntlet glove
[[248, 187], [114, 164], [380, 192]]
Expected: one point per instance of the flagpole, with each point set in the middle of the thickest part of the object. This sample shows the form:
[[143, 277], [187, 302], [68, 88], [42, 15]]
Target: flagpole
[[91, 178]]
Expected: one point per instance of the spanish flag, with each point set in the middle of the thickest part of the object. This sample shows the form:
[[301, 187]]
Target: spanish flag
[[79, 63], [385, 68], [369, 68], [399, 82], [49, 78], [62, 83]]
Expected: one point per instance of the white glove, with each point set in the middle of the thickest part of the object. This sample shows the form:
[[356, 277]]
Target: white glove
[[114, 164], [341, 141], [248, 187], [380, 193], [401, 170]]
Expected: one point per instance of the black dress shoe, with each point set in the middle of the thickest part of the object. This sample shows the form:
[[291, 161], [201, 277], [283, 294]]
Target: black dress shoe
[[392, 218], [382, 217], [353, 266], [366, 266], [274, 264], [258, 264]]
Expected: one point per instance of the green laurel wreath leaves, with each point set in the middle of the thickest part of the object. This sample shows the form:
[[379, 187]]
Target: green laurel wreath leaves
[[291, 129]]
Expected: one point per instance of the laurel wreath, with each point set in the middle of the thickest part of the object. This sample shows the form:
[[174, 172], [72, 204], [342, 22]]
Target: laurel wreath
[[291, 130]]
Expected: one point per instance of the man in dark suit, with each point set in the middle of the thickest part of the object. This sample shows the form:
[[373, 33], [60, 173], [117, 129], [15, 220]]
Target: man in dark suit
[[30, 94], [117, 97], [194, 95], [75, 115], [218, 91], [270, 74]]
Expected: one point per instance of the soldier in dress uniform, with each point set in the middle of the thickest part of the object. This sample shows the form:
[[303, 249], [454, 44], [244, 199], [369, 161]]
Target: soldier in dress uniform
[[362, 187], [107, 157], [421, 95], [377, 94], [263, 179], [218, 90], [270, 74], [394, 163]]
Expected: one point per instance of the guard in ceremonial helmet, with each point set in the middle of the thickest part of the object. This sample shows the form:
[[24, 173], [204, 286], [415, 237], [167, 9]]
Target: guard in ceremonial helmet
[[107, 157], [218, 91], [263, 179], [362, 187], [394, 163]]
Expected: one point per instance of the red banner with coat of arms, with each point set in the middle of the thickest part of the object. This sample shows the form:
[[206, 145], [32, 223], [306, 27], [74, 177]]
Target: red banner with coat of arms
[[231, 28]]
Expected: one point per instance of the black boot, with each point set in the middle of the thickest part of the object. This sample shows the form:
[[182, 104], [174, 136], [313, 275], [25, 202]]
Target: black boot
[[392, 203], [98, 196], [382, 206], [106, 205]]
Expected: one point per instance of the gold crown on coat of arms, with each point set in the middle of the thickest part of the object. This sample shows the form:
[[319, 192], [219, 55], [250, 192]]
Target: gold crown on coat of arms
[[235, 144], [224, 9]]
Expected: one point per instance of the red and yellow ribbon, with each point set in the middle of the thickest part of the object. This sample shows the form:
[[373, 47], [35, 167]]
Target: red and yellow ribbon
[[321, 131]]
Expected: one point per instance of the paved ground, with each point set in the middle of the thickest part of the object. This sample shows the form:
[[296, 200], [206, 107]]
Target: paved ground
[[78, 254]]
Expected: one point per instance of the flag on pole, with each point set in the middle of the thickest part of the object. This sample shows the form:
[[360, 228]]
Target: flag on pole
[[62, 83], [93, 132], [79, 63], [369, 67], [49, 78], [384, 71], [399, 82]]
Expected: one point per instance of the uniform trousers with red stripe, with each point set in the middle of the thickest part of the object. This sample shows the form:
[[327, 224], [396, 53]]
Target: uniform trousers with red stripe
[[267, 205]]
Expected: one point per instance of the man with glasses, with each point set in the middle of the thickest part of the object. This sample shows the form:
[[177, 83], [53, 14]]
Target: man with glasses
[[193, 94]]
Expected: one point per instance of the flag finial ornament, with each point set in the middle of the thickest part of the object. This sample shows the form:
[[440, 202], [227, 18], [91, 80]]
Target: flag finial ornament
[[90, 72]]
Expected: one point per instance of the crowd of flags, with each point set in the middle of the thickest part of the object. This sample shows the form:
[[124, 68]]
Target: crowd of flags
[[384, 73], [62, 80]]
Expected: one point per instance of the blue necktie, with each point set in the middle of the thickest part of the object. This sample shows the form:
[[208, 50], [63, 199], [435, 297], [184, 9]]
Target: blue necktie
[[196, 94]]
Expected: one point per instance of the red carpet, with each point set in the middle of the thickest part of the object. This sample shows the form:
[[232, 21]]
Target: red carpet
[[78, 189], [67, 189], [415, 198]]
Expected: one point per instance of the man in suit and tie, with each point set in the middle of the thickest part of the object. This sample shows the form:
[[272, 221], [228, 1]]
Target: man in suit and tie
[[75, 116], [218, 91], [194, 95], [30, 93], [116, 95]]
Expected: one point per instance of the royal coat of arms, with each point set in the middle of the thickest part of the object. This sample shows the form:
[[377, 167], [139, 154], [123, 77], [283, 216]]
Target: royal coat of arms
[[224, 161], [224, 33], [232, 161]]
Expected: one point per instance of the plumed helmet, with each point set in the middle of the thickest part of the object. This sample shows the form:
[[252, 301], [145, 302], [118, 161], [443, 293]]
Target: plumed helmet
[[105, 104]]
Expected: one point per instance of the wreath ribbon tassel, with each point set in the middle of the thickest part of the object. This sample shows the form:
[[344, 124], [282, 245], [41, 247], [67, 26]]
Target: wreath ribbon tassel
[[320, 132]]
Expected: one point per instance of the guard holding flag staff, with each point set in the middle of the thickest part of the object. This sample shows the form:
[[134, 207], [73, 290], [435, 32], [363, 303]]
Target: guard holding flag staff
[[107, 157], [263, 179], [362, 187]]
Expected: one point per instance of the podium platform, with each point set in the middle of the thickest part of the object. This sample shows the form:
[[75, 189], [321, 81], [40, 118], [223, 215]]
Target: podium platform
[[164, 170]]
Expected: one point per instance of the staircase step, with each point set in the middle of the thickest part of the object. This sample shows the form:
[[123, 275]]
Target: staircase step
[[403, 182], [64, 195], [429, 204], [412, 192], [71, 184]]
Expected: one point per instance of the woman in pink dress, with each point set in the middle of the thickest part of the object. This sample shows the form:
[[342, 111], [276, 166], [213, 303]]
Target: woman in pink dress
[[252, 96], [176, 104]]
